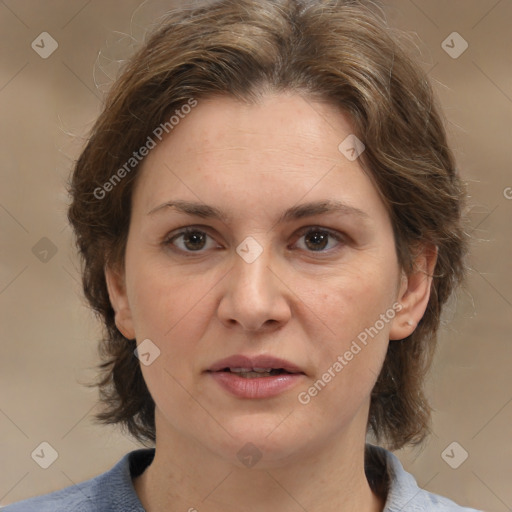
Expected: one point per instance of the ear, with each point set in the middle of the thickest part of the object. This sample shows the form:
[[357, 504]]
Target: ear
[[119, 300], [414, 293]]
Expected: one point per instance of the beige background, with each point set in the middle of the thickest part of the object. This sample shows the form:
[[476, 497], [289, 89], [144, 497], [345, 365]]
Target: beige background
[[48, 336]]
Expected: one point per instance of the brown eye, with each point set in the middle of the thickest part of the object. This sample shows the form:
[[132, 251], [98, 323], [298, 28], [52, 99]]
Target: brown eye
[[194, 241], [319, 240], [191, 240], [316, 240]]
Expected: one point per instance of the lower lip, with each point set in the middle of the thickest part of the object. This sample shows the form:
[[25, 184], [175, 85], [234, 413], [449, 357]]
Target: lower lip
[[258, 387]]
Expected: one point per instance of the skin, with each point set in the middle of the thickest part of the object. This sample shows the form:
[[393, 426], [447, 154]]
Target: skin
[[253, 162]]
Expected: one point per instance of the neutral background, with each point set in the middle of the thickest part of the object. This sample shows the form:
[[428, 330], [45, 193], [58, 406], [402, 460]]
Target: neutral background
[[48, 337]]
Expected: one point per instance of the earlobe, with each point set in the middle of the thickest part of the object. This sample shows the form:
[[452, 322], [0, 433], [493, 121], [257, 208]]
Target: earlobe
[[414, 293], [119, 300]]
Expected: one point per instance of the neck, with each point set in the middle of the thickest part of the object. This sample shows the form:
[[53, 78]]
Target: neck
[[188, 476]]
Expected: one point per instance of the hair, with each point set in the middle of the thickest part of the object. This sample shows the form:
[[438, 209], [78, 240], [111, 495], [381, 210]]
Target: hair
[[341, 52]]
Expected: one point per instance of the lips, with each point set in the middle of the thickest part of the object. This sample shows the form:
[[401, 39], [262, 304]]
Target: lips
[[258, 377], [256, 366]]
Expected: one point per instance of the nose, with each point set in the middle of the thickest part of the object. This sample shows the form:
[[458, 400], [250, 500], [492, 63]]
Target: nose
[[255, 297]]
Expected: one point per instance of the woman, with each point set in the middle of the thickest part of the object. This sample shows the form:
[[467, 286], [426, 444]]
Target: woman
[[269, 218]]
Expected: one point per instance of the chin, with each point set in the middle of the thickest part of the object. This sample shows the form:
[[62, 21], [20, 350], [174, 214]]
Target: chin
[[263, 441]]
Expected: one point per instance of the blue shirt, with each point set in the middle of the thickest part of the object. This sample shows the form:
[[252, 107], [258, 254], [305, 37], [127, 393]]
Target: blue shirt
[[113, 490]]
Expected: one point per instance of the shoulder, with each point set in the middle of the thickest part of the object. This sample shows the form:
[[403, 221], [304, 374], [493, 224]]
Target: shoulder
[[111, 491], [405, 494]]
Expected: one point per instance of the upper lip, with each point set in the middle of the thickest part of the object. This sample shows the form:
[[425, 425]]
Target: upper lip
[[258, 361]]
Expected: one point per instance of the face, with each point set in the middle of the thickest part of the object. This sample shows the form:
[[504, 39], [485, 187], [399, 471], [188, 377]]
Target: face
[[254, 243]]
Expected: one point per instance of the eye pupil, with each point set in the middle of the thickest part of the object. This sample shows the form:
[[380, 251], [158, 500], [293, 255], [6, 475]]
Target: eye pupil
[[318, 238], [196, 240]]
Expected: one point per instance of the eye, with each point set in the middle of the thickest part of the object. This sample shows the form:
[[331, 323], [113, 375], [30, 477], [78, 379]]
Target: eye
[[316, 239], [191, 239]]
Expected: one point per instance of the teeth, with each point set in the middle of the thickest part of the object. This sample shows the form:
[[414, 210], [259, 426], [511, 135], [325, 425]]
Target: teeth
[[251, 373], [248, 370], [254, 375]]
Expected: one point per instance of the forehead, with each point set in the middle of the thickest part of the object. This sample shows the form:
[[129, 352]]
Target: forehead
[[276, 123], [281, 149]]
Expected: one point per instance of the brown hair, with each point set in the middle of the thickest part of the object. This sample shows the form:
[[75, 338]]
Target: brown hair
[[341, 52]]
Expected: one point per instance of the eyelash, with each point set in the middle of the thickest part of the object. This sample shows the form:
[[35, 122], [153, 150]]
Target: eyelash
[[169, 240]]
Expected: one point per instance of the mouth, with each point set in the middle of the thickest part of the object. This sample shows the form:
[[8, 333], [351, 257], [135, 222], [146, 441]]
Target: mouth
[[257, 373], [256, 377], [254, 367]]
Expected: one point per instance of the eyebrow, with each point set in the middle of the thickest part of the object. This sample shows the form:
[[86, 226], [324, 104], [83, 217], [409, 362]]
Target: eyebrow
[[294, 213]]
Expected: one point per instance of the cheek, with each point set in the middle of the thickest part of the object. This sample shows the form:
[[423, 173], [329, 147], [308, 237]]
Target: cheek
[[164, 300], [173, 311], [351, 314], [350, 301]]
